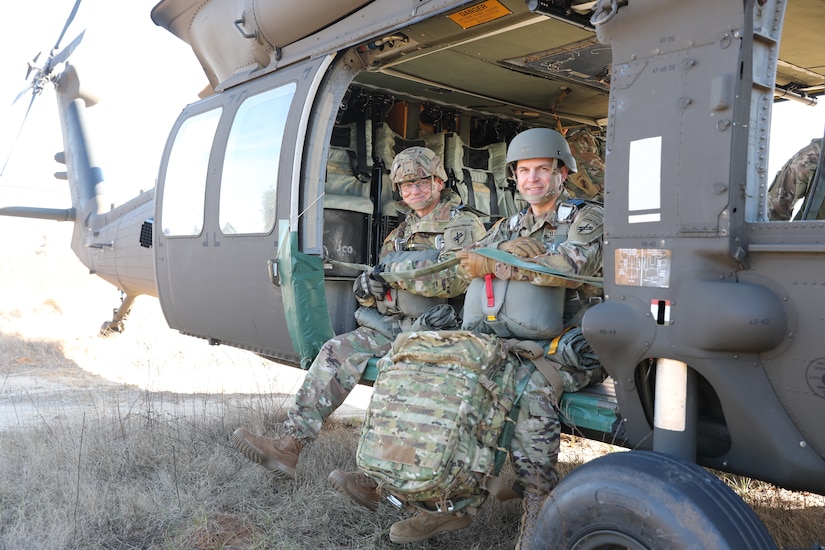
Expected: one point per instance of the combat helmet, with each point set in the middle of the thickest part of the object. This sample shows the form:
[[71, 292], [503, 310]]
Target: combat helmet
[[416, 163], [539, 143]]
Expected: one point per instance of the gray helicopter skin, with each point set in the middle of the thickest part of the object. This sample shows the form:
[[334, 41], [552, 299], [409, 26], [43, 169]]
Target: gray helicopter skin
[[711, 322]]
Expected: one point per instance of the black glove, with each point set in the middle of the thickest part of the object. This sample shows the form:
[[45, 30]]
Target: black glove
[[367, 286]]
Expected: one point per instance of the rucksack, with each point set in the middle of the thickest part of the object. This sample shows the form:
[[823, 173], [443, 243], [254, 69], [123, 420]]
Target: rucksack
[[440, 419]]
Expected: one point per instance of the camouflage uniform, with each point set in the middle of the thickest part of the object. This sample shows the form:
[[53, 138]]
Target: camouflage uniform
[[793, 181], [574, 247], [342, 360], [589, 182]]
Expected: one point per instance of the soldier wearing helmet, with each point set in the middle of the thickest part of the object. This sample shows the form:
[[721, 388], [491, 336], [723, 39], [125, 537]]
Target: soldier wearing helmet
[[555, 232], [433, 229], [418, 177]]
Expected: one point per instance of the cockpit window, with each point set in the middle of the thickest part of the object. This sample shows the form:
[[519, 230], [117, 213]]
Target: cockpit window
[[250, 168], [184, 190]]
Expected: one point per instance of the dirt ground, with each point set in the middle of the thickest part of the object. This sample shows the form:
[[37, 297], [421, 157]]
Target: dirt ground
[[53, 362]]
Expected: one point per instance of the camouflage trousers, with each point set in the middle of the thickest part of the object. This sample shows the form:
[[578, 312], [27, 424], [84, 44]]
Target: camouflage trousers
[[534, 450], [331, 377]]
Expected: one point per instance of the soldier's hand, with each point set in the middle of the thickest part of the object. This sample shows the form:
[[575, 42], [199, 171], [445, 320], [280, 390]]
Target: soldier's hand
[[368, 288], [378, 287], [523, 247], [361, 289], [475, 265]]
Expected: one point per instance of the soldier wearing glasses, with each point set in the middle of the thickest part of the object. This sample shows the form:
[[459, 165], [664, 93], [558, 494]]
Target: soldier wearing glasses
[[434, 228]]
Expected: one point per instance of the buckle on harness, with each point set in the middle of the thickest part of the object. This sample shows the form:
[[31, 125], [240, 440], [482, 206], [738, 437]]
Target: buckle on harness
[[566, 212]]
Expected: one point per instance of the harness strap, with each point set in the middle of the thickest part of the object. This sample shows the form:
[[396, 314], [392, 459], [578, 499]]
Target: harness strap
[[468, 184], [491, 184], [361, 146]]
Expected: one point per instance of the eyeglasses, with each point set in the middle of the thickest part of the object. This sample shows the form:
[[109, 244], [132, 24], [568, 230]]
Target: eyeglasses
[[407, 187]]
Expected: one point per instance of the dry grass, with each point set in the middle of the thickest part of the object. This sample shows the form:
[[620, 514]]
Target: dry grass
[[132, 450]]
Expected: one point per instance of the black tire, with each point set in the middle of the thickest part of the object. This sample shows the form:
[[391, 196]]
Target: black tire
[[646, 500]]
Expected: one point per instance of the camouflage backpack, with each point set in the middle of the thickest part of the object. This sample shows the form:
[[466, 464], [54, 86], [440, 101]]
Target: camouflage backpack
[[439, 421]]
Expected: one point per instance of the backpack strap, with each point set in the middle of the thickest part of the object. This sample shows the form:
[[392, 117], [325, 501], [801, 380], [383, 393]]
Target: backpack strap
[[535, 353], [494, 484]]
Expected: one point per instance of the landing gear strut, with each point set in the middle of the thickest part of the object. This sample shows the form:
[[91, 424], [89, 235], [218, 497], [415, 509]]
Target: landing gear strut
[[119, 316]]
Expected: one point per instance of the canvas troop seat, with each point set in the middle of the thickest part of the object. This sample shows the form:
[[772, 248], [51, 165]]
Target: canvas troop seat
[[347, 203], [349, 168], [481, 176]]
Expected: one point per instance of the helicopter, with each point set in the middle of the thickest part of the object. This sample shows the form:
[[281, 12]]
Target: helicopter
[[273, 189]]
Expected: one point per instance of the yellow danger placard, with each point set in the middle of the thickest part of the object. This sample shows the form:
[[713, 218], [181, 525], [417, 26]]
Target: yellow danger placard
[[480, 13]]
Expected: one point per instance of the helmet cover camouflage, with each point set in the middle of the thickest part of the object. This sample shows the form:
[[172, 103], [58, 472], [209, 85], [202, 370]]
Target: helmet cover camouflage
[[416, 163]]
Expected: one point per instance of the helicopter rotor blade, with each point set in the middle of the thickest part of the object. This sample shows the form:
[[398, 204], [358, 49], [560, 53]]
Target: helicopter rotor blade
[[63, 54], [32, 65], [19, 130], [23, 92], [41, 75], [66, 25]]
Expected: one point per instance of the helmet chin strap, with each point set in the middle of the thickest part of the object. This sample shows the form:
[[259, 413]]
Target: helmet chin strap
[[432, 192], [544, 198]]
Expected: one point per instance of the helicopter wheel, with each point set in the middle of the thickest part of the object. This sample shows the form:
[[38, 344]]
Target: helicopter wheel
[[643, 500]]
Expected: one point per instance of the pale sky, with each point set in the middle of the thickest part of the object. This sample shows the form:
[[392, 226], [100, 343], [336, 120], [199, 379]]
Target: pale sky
[[144, 76]]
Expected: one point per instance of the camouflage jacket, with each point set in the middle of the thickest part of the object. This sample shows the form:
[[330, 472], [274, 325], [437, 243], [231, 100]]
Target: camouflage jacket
[[588, 181], [793, 181], [423, 241], [572, 235]]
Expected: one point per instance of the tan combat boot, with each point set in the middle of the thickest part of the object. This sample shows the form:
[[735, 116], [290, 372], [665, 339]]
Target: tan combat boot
[[424, 525], [359, 487], [278, 456], [531, 504]]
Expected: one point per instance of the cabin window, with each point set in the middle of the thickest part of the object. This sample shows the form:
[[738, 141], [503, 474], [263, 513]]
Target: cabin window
[[184, 190], [250, 169], [795, 146]]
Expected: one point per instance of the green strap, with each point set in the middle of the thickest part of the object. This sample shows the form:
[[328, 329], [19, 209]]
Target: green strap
[[397, 276], [510, 427], [515, 261], [495, 254], [494, 484]]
